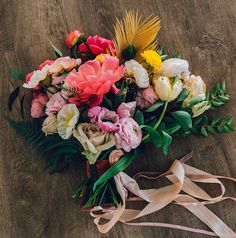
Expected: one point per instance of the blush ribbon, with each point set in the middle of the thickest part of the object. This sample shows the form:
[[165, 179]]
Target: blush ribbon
[[183, 178]]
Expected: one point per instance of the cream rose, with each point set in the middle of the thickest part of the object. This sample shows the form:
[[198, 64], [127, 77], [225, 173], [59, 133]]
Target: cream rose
[[50, 125], [93, 140]]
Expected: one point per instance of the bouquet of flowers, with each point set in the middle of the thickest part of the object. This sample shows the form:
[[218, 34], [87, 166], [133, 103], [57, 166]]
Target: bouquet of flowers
[[108, 98]]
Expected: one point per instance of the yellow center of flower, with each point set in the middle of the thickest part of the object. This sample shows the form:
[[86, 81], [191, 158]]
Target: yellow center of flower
[[152, 58]]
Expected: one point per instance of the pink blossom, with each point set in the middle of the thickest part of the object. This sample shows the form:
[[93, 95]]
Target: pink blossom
[[129, 134], [126, 109], [55, 103], [46, 62], [63, 63], [105, 119], [95, 78], [98, 45], [38, 104], [146, 97]]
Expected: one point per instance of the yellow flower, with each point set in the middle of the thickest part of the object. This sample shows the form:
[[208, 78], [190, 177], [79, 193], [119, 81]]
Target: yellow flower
[[152, 58]]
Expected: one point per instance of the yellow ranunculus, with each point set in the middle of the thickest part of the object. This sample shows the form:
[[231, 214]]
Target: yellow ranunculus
[[167, 89], [152, 58]]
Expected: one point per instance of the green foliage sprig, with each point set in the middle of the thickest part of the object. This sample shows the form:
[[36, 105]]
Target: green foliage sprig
[[205, 126], [218, 97]]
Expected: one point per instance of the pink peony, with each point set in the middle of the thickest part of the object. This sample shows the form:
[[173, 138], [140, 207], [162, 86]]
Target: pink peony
[[55, 103], [94, 79], [46, 62], [146, 97], [129, 134], [105, 119], [72, 38], [98, 45], [126, 109], [38, 104]]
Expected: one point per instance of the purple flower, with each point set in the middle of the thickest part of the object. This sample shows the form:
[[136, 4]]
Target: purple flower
[[129, 134], [55, 103], [126, 109]]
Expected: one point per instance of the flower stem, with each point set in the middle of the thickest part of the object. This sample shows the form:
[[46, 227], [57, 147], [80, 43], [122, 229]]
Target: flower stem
[[159, 120]]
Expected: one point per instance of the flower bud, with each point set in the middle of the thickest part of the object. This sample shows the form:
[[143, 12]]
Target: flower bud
[[200, 107], [50, 125], [72, 38], [167, 90]]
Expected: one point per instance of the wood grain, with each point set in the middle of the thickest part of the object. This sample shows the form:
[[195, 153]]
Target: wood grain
[[34, 203]]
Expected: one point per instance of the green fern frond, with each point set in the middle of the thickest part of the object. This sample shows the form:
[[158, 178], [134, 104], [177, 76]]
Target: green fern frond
[[59, 152]]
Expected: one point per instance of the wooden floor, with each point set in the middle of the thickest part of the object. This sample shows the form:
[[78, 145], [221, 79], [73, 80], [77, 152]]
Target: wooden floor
[[34, 203]]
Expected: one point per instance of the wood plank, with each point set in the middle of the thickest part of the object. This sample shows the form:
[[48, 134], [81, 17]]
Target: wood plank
[[34, 203]]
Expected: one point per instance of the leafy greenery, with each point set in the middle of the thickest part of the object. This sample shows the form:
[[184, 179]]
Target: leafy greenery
[[183, 118], [155, 106], [59, 152], [12, 97], [56, 50], [205, 126], [16, 75], [219, 96]]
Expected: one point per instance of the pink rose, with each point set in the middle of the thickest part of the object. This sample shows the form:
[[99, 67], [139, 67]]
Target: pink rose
[[129, 134], [72, 38], [105, 119], [146, 97], [115, 156], [55, 103], [98, 45], [126, 109], [46, 62], [38, 104]]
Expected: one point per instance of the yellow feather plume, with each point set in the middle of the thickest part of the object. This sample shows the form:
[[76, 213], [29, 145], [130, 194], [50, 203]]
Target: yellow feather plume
[[133, 31]]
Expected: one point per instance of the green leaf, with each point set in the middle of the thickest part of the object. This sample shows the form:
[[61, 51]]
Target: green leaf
[[211, 130], [122, 164], [203, 131], [215, 121], [17, 75], [22, 105], [138, 117], [217, 103], [183, 95], [57, 51], [194, 100], [227, 121], [166, 141], [155, 136], [12, 97], [173, 129], [183, 118], [177, 55], [154, 107]]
